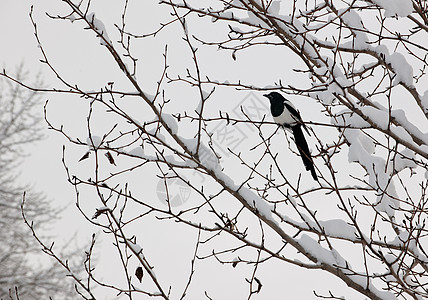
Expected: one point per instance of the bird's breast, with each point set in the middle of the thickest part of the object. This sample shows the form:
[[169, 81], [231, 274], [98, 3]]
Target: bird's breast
[[284, 118]]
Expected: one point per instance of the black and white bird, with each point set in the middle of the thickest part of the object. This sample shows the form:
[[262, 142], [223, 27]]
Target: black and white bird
[[285, 114]]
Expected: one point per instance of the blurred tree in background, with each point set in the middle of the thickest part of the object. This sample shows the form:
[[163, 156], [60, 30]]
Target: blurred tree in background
[[22, 265]]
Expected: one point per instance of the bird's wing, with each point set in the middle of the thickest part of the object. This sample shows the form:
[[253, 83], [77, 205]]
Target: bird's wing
[[295, 114]]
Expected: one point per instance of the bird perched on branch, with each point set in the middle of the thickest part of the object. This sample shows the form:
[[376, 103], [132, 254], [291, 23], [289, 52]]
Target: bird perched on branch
[[285, 114]]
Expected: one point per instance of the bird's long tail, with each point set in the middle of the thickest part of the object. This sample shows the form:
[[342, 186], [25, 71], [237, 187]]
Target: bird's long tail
[[303, 148]]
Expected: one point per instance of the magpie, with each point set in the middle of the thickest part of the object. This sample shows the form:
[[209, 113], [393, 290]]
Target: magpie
[[285, 114]]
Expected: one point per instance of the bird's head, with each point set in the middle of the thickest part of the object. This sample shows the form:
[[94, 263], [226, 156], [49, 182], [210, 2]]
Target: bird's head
[[274, 97]]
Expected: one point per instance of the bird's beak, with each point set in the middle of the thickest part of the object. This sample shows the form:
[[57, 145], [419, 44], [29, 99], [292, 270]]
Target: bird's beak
[[266, 95]]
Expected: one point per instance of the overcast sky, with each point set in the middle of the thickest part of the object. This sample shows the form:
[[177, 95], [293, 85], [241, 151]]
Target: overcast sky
[[81, 59]]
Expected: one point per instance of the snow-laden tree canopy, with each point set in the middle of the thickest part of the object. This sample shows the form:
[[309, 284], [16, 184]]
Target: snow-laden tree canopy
[[174, 112]]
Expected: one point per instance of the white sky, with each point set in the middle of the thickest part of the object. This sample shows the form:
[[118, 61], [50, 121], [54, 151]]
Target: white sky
[[79, 57]]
